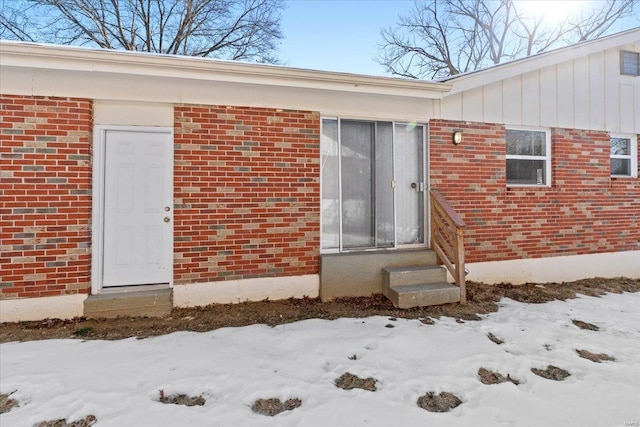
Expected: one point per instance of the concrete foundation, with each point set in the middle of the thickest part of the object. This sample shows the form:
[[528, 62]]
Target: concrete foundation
[[360, 273], [150, 302]]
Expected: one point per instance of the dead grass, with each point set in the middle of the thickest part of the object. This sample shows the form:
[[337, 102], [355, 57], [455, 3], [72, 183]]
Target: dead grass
[[274, 406], [552, 373], [482, 299], [494, 338], [182, 399], [7, 403], [595, 357], [443, 402], [489, 377], [87, 421], [584, 325], [348, 381]]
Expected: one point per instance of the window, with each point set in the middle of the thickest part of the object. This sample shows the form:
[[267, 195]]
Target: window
[[624, 156], [629, 63], [372, 184], [528, 157]]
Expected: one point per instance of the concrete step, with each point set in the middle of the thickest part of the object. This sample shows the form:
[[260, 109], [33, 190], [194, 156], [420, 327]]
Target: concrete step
[[422, 295], [358, 273], [412, 275], [152, 303]]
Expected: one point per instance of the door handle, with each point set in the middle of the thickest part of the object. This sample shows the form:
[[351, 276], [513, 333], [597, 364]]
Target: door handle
[[418, 186], [167, 219]]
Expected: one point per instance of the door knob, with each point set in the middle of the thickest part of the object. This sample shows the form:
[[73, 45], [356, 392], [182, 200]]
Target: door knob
[[167, 208], [167, 219], [418, 186]]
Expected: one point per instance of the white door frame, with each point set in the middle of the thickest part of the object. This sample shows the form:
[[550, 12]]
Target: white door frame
[[98, 186]]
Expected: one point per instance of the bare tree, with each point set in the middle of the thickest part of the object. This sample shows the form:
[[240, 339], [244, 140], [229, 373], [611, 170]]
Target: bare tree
[[441, 38], [229, 29]]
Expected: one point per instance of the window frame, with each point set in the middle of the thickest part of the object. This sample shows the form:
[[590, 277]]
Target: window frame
[[622, 62], [632, 156], [546, 158]]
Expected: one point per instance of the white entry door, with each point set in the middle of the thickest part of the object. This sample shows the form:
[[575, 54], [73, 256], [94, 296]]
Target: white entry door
[[138, 208]]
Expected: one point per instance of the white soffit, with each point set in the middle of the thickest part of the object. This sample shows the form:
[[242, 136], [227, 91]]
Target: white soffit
[[72, 58]]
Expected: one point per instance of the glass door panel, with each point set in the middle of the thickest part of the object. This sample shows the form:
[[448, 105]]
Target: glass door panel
[[385, 234], [357, 173], [330, 166], [410, 185]]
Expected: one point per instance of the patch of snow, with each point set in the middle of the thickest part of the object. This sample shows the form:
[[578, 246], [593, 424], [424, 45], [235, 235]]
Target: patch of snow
[[119, 381]]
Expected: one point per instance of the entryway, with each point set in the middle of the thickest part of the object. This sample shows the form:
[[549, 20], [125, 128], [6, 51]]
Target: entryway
[[133, 210], [373, 185]]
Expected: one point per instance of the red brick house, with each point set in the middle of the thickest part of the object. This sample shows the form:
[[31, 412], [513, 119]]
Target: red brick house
[[127, 176]]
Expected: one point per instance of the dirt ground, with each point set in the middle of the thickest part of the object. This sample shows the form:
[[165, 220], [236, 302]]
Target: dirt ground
[[482, 299]]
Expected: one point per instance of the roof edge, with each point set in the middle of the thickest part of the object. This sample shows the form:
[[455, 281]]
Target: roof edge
[[472, 79], [74, 58]]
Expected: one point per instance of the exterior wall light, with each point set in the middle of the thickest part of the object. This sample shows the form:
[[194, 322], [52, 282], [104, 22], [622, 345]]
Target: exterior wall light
[[457, 137]]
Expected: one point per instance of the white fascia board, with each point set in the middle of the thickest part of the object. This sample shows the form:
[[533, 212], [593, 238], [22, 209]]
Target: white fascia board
[[517, 67], [34, 55]]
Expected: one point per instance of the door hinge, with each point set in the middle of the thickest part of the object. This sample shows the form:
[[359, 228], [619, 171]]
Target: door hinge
[[393, 183]]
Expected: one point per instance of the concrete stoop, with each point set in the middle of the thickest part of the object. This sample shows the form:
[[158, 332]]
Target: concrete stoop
[[418, 286], [152, 303]]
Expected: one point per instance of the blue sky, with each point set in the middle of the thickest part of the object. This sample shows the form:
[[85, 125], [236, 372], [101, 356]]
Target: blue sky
[[342, 35], [337, 35]]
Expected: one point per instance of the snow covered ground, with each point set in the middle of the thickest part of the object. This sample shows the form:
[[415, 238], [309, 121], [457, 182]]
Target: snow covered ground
[[119, 381]]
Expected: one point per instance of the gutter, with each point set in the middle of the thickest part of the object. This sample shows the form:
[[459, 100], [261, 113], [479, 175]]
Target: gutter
[[72, 58]]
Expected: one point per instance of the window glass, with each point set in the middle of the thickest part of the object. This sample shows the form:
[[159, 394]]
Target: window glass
[[621, 167], [526, 143], [526, 172], [630, 63], [621, 146]]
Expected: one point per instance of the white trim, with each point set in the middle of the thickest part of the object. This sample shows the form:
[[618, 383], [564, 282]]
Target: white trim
[[546, 158], [74, 58], [97, 222], [25, 309], [236, 291], [556, 269], [633, 154]]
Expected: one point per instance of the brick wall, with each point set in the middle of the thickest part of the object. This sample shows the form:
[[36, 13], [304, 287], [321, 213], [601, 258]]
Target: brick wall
[[45, 189], [247, 193], [584, 211]]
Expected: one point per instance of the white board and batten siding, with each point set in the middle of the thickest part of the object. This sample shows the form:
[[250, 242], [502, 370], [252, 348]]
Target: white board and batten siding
[[586, 92]]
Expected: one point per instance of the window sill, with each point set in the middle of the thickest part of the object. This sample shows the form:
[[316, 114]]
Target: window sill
[[527, 187]]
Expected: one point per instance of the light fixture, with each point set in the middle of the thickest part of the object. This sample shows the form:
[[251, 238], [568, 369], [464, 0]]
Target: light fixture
[[457, 137]]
